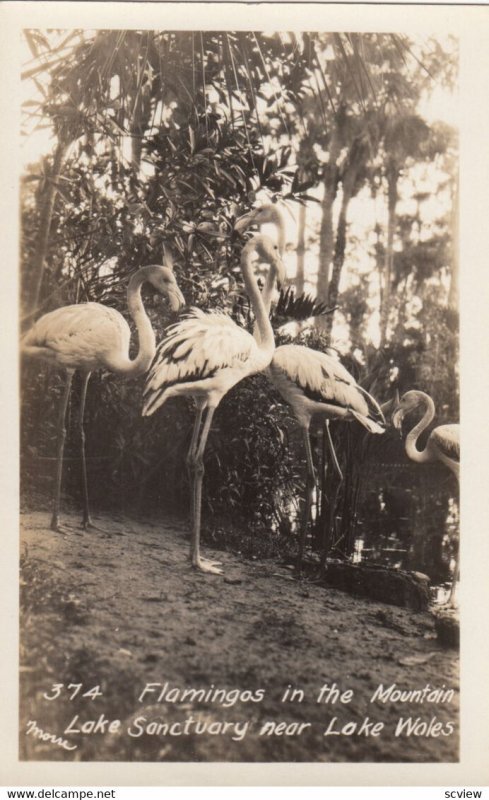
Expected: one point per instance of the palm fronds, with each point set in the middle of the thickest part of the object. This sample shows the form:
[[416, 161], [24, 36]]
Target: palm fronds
[[300, 307]]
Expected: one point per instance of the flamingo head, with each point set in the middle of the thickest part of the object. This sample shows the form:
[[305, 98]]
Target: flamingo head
[[164, 281], [408, 402], [268, 251]]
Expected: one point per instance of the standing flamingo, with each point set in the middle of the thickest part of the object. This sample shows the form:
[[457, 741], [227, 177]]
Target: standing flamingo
[[204, 356], [314, 384], [443, 443], [90, 336]]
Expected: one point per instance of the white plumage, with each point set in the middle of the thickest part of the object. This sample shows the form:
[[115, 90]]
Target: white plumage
[[316, 383], [443, 442], [203, 357], [87, 336], [92, 336]]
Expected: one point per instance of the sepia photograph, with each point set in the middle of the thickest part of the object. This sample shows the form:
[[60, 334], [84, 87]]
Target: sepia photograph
[[239, 394]]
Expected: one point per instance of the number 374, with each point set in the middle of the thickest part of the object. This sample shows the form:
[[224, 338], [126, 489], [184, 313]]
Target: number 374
[[73, 690]]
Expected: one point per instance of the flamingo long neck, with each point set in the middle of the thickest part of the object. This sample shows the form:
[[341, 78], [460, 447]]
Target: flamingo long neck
[[146, 336], [412, 451], [263, 328], [266, 296], [267, 292]]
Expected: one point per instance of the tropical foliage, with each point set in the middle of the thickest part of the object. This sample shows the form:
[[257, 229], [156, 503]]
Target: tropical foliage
[[158, 141]]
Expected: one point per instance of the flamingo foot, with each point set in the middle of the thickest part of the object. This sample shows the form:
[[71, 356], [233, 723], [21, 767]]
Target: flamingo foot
[[88, 525], [57, 528], [205, 565]]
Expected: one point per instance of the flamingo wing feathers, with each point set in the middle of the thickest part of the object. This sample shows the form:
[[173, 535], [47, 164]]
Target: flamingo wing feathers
[[447, 439], [198, 348], [323, 379]]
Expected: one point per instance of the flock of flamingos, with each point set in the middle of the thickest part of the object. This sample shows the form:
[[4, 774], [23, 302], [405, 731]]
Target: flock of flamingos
[[204, 355]]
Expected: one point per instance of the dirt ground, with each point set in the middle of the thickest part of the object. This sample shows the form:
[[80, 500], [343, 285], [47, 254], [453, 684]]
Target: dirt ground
[[123, 609]]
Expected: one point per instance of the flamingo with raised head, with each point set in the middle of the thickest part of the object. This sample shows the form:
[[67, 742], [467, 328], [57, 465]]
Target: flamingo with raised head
[[443, 443], [204, 356], [89, 336], [314, 384]]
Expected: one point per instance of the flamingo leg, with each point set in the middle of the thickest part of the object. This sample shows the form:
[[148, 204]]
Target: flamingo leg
[[193, 446], [451, 597], [191, 460], [86, 522], [310, 486], [328, 531], [197, 466], [61, 437]]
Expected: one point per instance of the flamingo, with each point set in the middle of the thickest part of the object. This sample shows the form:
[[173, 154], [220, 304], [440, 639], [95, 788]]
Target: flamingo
[[89, 336], [313, 384], [443, 443], [204, 356]]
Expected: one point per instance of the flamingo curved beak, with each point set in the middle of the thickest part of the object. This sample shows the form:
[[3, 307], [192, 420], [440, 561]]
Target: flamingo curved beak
[[176, 299], [397, 418], [279, 267], [243, 222]]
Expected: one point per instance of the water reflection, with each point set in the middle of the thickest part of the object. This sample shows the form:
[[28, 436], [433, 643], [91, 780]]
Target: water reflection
[[403, 517]]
